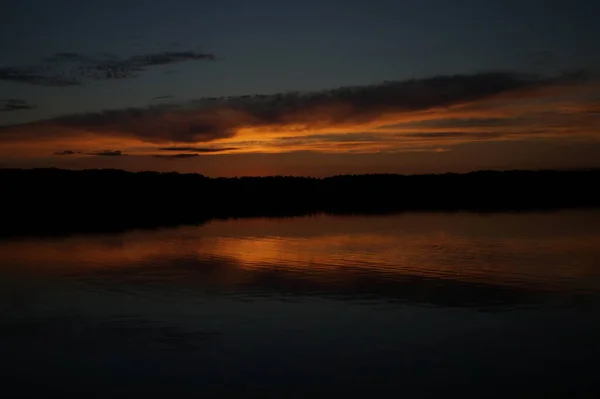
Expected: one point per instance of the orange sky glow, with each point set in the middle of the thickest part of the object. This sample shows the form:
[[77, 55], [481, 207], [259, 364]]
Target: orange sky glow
[[552, 115]]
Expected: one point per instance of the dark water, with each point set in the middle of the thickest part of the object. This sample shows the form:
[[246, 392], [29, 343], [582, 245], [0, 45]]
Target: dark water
[[412, 305]]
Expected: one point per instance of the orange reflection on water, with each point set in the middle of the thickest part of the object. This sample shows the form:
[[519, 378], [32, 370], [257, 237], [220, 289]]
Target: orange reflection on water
[[550, 263], [500, 249]]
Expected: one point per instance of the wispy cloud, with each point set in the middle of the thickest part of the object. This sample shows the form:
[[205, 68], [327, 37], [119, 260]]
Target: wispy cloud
[[73, 69], [176, 156], [392, 116], [37, 75], [66, 152], [197, 149], [13, 104], [107, 153]]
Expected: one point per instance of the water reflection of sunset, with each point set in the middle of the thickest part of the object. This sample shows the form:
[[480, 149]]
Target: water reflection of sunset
[[434, 256], [393, 247]]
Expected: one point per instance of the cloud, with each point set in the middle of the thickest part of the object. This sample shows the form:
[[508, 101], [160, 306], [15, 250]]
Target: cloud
[[380, 137], [343, 137], [13, 104], [454, 123], [373, 141], [72, 69], [168, 57], [197, 149], [107, 153], [102, 153], [176, 156], [454, 135], [36, 76], [66, 152], [391, 116]]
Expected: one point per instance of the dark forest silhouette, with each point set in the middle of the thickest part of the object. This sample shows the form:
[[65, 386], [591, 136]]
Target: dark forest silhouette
[[57, 201]]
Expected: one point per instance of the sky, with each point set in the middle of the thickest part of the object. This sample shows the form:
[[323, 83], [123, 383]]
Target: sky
[[317, 87]]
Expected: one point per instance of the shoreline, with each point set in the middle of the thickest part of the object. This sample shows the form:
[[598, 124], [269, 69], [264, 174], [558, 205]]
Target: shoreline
[[59, 201]]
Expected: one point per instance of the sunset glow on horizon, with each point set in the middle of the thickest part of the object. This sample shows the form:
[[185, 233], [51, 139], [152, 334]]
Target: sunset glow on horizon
[[183, 108], [547, 114]]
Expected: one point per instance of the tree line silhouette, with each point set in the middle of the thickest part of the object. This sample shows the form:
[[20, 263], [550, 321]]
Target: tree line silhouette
[[55, 201]]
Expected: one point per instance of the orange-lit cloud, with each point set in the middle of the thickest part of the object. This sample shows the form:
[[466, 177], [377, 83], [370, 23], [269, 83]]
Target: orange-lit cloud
[[414, 115]]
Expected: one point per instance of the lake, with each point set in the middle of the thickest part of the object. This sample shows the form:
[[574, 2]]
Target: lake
[[413, 305]]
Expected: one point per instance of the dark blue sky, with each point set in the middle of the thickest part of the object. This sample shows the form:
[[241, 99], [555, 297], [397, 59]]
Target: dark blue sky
[[182, 50], [270, 46]]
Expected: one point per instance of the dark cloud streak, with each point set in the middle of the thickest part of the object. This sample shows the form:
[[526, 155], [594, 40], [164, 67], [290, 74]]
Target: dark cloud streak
[[72, 69], [176, 156], [168, 57], [209, 119], [197, 149], [13, 104], [453, 135], [38, 76], [107, 153]]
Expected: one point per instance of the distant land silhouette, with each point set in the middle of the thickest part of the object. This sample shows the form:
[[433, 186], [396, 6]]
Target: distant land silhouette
[[58, 201]]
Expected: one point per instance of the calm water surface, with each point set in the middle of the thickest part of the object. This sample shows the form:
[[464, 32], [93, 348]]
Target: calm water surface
[[411, 305]]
